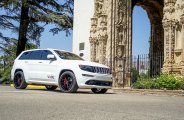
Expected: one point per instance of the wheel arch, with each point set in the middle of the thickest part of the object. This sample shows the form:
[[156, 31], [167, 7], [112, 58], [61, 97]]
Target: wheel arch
[[64, 70], [18, 70]]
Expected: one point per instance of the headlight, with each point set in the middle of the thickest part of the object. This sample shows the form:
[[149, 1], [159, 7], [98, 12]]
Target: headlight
[[87, 68]]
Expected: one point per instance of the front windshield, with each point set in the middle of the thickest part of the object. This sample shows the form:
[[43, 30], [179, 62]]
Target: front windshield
[[67, 55]]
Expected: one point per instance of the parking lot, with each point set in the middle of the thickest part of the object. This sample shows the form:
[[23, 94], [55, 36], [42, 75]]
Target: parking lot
[[41, 104]]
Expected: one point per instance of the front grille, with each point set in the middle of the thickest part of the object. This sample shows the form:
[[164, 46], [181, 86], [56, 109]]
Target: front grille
[[99, 83], [102, 70]]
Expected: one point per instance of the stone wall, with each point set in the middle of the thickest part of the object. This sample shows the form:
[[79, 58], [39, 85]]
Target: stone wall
[[111, 35]]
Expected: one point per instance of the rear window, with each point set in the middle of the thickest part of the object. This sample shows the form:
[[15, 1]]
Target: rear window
[[24, 56], [35, 55]]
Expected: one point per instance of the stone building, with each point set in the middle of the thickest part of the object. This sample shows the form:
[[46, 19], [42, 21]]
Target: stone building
[[111, 35], [81, 27]]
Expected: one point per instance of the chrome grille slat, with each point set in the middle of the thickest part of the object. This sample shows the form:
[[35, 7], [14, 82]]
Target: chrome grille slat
[[101, 70]]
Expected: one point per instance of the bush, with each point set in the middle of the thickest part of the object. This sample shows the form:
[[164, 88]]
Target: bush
[[164, 81], [145, 82], [135, 75], [170, 82], [182, 85]]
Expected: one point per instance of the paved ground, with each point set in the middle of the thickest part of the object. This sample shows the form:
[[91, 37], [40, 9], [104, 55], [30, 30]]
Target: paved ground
[[32, 104]]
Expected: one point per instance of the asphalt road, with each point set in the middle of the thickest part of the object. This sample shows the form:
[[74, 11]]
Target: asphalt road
[[32, 104]]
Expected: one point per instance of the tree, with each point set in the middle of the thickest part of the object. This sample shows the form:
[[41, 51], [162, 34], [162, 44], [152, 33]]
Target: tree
[[8, 47], [33, 15]]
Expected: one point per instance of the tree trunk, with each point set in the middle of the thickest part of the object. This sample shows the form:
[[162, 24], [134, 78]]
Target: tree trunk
[[23, 28]]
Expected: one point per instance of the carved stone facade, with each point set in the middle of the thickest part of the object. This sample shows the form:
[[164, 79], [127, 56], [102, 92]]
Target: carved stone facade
[[111, 35]]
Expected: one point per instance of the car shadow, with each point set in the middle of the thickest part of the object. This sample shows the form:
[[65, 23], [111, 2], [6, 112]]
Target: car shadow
[[80, 91]]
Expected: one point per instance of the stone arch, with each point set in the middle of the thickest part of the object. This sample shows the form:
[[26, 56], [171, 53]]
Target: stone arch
[[112, 30], [154, 10]]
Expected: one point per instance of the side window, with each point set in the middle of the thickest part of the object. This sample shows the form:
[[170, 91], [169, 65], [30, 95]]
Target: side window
[[25, 56], [44, 54], [35, 55]]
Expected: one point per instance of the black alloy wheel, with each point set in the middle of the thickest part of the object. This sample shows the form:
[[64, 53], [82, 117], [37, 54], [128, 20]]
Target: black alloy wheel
[[67, 82], [50, 87], [19, 80], [99, 91]]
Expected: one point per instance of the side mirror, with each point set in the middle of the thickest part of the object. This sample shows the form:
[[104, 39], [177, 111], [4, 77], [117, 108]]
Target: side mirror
[[51, 57]]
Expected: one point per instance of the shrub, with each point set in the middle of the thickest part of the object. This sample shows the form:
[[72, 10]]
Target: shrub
[[135, 75], [182, 85], [169, 81], [144, 82], [164, 81]]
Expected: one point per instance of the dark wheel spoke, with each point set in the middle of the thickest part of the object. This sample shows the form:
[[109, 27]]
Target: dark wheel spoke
[[50, 87], [19, 80], [67, 82], [99, 91]]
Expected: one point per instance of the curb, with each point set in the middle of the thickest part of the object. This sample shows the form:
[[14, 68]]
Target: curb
[[150, 91], [33, 86]]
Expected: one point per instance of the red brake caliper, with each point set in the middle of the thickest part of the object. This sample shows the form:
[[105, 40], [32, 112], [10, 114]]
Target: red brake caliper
[[65, 82], [19, 81]]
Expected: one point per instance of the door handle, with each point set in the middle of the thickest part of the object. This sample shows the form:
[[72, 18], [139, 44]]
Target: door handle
[[39, 62]]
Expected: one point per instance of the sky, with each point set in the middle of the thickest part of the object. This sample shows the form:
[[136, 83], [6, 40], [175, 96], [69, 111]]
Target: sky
[[58, 41], [141, 34], [141, 31]]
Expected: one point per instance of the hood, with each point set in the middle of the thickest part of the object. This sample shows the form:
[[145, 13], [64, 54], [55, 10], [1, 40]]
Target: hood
[[80, 62]]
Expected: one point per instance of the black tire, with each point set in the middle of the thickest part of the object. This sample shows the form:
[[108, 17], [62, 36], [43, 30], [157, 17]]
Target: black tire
[[50, 87], [99, 91], [67, 82], [19, 80]]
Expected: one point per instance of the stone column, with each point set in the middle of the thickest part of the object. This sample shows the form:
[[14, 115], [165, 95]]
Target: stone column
[[93, 38], [102, 38], [122, 48], [169, 35], [182, 42]]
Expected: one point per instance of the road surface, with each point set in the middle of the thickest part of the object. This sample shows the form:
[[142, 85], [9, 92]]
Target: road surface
[[40, 104]]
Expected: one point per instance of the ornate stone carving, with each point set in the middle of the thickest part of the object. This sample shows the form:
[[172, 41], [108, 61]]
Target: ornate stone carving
[[111, 35]]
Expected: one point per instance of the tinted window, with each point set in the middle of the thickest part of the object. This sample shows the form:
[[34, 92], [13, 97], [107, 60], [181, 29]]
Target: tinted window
[[44, 54], [67, 55], [24, 56], [35, 55]]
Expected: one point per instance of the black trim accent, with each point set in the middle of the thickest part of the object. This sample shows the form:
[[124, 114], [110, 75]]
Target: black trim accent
[[99, 83]]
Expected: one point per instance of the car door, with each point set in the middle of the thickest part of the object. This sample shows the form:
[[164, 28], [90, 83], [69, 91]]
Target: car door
[[48, 66], [34, 67]]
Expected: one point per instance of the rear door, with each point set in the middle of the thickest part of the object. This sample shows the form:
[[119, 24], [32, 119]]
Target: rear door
[[34, 67], [22, 63]]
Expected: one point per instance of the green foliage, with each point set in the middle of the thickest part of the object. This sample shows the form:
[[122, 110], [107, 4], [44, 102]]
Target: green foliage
[[170, 81], [40, 14], [145, 82], [135, 75], [7, 61], [164, 81], [9, 50], [28, 18]]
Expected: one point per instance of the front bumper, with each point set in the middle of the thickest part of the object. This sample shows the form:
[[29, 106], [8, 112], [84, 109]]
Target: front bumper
[[94, 80]]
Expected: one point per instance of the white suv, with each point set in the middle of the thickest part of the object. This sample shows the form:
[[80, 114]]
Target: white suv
[[55, 68]]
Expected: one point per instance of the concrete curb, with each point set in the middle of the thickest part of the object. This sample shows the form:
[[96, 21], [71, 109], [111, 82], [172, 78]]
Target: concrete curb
[[33, 86], [150, 91]]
